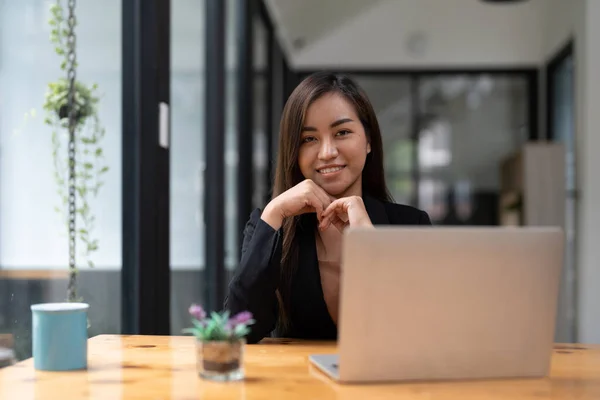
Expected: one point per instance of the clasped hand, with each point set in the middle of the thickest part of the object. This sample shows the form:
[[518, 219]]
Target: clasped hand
[[307, 197], [344, 212]]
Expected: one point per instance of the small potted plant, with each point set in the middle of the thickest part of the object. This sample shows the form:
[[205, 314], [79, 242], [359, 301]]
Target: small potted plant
[[220, 342]]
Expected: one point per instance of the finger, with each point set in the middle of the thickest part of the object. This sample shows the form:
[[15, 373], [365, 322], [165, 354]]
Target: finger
[[316, 203], [335, 211], [322, 195], [338, 206], [311, 205], [342, 208], [343, 216], [331, 208], [357, 214], [326, 222], [339, 224], [334, 220]]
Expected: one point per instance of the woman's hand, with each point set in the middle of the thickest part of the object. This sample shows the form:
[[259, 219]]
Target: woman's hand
[[344, 212], [305, 197]]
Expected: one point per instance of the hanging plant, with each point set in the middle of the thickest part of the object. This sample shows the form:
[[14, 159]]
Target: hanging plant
[[81, 130]]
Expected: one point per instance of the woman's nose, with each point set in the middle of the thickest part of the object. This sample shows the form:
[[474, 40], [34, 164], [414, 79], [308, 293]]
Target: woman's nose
[[328, 150]]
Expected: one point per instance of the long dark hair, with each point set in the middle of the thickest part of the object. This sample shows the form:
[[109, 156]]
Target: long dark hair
[[288, 174]]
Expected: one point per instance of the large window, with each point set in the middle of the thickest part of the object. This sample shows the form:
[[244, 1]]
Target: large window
[[33, 235]]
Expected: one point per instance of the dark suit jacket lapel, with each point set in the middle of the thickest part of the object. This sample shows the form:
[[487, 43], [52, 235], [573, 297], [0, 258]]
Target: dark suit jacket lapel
[[376, 211]]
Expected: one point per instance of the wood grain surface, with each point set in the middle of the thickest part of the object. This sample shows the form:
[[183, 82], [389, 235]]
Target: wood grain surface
[[163, 367]]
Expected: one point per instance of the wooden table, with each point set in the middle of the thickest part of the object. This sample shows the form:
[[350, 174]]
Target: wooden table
[[151, 367], [33, 274]]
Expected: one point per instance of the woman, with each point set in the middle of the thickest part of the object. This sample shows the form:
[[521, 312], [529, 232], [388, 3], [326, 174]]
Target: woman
[[329, 176]]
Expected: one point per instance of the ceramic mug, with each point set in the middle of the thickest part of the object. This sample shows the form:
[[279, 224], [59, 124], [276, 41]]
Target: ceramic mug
[[59, 336]]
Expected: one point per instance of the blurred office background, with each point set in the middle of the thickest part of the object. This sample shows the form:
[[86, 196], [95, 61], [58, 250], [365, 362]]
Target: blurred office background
[[488, 111]]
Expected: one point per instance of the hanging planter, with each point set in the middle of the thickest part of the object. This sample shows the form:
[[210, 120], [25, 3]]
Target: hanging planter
[[78, 157], [57, 101]]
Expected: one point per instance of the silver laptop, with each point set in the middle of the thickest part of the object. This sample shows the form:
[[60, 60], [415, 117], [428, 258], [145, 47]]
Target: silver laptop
[[446, 303]]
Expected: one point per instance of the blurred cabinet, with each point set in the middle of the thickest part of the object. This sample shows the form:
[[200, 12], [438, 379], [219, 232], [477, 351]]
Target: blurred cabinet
[[533, 191]]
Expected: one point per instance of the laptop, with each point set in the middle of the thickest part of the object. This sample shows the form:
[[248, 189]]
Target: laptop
[[443, 303]]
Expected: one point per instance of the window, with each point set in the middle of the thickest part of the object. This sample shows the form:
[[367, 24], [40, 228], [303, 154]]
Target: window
[[445, 134], [33, 236], [468, 125]]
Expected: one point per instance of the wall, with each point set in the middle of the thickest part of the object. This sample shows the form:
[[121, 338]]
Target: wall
[[430, 33], [578, 20], [559, 24], [588, 163], [587, 60]]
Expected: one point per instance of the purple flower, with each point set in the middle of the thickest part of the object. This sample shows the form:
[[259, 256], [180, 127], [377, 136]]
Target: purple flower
[[241, 318], [197, 312]]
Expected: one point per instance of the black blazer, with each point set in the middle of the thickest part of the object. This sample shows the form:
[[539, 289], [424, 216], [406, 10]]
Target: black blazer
[[253, 285]]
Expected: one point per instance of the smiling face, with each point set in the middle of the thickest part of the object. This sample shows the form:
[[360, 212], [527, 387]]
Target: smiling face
[[334, 146]]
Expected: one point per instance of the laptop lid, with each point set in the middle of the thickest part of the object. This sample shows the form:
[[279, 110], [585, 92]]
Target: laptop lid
[[448, 303]]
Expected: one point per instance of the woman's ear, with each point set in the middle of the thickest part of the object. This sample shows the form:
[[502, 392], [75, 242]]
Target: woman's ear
[[368, 147]]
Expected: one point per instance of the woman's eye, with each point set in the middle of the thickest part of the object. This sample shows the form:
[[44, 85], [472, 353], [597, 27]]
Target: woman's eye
[[307, 139], [343, 132]]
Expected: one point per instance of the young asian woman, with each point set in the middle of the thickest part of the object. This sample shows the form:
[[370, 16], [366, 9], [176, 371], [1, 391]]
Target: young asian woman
[[329, 176]]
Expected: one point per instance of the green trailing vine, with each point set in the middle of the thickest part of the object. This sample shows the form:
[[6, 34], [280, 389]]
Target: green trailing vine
[[90, 165]]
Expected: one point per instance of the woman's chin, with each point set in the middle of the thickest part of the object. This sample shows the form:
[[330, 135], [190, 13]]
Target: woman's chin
[[335, 190]]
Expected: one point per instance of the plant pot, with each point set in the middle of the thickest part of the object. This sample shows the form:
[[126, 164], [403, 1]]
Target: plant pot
[[220, 360], [63, 113]]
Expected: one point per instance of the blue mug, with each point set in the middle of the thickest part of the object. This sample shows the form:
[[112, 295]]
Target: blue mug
[[60, 336]]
